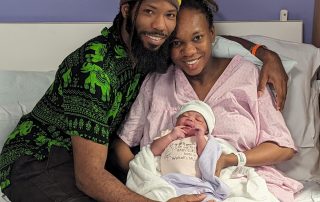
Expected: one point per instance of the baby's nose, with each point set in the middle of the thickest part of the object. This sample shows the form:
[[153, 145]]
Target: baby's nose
[[190, 121]]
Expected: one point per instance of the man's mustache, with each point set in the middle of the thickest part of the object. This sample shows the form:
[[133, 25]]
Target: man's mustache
[[155, 33]]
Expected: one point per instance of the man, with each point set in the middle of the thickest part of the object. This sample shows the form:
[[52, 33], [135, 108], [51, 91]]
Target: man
[[58, 151]]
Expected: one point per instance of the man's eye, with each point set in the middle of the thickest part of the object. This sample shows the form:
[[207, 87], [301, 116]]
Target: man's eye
[[148, 11], [172, 15]]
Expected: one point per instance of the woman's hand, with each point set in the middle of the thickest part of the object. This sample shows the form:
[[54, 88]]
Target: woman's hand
[[221, 164], [225, 161]]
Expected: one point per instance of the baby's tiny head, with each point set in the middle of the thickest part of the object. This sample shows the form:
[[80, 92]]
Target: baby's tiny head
[[200, 112]]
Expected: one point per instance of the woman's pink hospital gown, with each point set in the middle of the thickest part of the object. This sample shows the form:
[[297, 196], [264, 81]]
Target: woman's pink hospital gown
[[243, 119]]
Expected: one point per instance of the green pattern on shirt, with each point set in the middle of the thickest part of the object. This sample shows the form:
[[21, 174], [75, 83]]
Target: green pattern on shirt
[[93, 90]]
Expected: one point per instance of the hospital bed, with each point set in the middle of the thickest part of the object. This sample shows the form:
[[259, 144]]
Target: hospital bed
[[31, 52]]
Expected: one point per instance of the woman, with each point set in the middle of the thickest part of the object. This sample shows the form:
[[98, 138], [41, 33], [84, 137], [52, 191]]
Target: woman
[[251, 124]]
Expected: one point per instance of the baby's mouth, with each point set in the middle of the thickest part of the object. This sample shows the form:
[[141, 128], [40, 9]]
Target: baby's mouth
[[190, 130]]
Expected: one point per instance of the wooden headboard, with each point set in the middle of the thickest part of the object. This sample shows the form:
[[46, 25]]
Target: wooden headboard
[[43, 46]]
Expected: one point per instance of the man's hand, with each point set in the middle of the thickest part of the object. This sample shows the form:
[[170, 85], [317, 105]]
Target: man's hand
[[273, 73], [190, 198]]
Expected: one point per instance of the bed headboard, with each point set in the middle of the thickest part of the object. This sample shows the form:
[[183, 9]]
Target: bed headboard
[[43, 46]]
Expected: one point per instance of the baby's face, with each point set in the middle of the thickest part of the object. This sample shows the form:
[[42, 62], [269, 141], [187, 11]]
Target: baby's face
[[192, 120]]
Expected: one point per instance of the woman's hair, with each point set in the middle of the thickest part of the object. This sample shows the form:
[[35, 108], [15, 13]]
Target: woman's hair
[[207, 7]]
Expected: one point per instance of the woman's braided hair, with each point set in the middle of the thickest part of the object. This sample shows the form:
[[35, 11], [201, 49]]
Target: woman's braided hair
[[208, 7]]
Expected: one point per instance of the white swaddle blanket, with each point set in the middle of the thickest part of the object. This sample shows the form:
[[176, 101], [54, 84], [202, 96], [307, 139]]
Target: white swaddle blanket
[[144, 178], [245, 184]]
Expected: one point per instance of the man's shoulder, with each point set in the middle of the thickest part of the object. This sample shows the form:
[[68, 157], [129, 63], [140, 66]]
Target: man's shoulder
[[98, 40], [108, 37]]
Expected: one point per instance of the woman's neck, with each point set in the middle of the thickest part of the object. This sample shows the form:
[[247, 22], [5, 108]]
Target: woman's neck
[[203, 82]]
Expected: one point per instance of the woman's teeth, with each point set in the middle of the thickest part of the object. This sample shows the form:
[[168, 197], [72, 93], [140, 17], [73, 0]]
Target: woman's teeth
[[192, 62]]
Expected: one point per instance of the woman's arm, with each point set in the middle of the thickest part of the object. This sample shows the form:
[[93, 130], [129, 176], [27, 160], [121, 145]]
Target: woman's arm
[[272, 71], [268, 153], [273, 140]]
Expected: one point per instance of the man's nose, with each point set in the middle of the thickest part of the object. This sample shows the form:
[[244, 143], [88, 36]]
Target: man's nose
[[159, 23]]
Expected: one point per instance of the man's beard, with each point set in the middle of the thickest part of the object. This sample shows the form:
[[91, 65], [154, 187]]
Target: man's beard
[[149, 60]]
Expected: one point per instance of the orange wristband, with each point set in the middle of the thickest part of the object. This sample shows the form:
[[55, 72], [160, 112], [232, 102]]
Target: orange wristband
[[254, 49]]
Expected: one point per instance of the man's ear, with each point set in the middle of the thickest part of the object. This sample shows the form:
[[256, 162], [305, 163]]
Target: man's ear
[[125, 8]]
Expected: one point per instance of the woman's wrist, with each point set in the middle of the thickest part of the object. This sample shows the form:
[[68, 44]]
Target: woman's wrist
[[231, 160]]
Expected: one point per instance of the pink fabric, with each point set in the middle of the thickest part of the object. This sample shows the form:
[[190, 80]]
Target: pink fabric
[[241, 118]]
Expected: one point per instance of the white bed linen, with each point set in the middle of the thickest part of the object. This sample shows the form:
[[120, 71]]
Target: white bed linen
[[310, 193]]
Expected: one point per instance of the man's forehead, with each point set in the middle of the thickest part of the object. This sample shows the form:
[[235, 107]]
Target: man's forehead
[[176, 3]]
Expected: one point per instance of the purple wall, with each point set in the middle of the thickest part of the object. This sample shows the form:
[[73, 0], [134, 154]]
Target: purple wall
[[105, 10], [268, 10]]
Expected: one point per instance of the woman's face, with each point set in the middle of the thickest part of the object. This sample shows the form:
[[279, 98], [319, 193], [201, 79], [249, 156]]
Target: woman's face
[[191, 46]]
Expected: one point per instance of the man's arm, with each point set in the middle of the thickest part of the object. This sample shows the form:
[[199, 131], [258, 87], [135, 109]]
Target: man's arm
[[92, 178], [98, 183], [123, 154], [272, 71]]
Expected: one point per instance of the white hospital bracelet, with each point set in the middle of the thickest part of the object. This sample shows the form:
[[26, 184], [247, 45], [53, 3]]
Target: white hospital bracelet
[[242, 159]]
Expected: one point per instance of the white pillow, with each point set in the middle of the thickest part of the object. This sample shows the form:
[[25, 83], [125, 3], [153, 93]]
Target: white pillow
[[301, 110], [302, 87], [223, 47], [19, 92]]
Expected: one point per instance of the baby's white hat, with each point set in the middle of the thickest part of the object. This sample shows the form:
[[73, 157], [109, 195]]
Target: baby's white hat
[[202, 108]]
